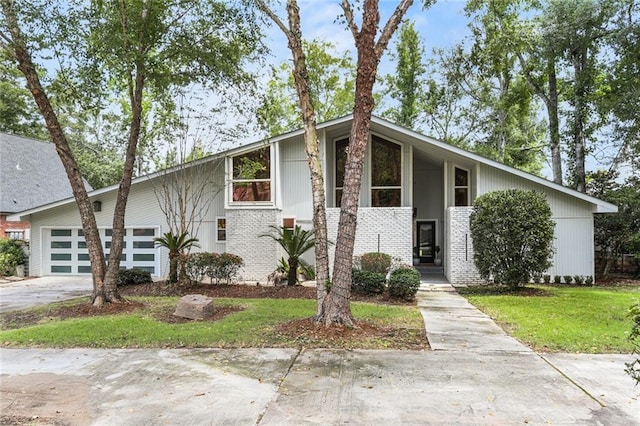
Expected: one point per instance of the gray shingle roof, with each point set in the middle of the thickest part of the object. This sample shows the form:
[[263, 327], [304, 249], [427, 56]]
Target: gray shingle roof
[[31, 174]]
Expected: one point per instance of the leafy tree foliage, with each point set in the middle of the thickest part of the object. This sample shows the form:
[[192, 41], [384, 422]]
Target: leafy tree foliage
[[619, 233], [407, 85], [18, 114], [331, 84], [512, 234], [143, 52]]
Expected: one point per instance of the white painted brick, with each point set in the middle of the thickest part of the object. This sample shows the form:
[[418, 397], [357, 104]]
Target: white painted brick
[[458, 251], [390, 226], [260, 254]]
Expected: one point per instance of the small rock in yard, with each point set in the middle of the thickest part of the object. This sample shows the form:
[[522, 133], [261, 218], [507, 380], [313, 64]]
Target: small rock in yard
[[194, 306]]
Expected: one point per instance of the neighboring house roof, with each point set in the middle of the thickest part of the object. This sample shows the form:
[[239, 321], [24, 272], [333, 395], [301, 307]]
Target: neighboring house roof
[[31, 174], [377, 124]]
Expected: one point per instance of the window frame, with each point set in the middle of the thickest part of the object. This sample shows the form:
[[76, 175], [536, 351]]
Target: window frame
[[270, 180], [467, 187], [371, 177], [218, 229]]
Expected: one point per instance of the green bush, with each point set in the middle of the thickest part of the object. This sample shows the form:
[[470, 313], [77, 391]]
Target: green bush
[[216, 266], [633, 368], [512, 234], [375, 262], [11, 255], [367, 282], [567, 279], [546, 278], [404, 283], [578, 279], [133, 276], [557, 279], [588, 280]]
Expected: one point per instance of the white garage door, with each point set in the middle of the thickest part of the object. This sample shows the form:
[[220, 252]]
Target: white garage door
[[65, 250]]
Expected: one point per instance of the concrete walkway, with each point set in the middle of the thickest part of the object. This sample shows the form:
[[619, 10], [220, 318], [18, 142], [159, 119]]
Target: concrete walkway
[[475, 375]]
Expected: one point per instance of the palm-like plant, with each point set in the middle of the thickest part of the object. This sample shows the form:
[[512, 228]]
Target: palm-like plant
[[295, 243], [176, 244]]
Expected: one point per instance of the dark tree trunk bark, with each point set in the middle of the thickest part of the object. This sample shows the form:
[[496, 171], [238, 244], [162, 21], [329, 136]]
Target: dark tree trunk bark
[[292, 278], [554, 127], [336, 309], [136, 81], [580, 119], [21, 54], [312, 145]]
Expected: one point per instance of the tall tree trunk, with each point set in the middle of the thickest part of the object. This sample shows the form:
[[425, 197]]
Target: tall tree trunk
[[550, 100], [336, 308], [19, 51], [554, 123], [312, 145], [136, 80], [580, 119]]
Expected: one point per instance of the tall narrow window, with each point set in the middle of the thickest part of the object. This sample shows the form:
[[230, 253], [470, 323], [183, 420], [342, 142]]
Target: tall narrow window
[[386, 173], [252, 176], [221, 231], [341, 161], [461, 188]]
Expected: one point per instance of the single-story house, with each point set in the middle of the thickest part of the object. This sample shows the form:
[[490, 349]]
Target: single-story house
[[416, 195], [31, 174]]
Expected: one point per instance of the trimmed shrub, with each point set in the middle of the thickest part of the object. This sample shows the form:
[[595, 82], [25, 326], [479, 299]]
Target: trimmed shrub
[[375, 262], [11, 255], [567, 279], [404, 283], [557, 279], [512, 234], [546, 278], [216, 266], [367, 282], [133, 276], [588, 280], [578, 279]]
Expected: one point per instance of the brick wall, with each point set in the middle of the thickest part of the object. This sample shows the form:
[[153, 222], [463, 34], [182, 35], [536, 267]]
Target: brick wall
[[459, 265], [7, 226], [260, 254], [393, 226]]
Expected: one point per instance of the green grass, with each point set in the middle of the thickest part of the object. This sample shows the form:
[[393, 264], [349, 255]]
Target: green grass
[[254, 326], [564, 319]]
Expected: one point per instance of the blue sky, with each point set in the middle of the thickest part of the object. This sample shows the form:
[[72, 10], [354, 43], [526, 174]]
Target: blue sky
[[441, 25]]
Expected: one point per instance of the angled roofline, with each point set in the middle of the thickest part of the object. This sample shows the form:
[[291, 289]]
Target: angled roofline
[[601, 206]]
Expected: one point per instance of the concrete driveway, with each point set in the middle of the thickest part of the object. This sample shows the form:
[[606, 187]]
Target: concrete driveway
[[474, 375], [15, 295]]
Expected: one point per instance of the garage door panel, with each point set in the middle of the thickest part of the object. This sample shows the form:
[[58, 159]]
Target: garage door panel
[[66, 250]]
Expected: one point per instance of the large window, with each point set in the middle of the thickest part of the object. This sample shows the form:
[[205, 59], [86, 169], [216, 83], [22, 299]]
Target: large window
[[252, 176], [461, 187], [386, 173]]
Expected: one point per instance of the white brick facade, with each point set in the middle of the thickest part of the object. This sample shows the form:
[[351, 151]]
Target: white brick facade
[[260, 254], [391, 226], [458, 255]]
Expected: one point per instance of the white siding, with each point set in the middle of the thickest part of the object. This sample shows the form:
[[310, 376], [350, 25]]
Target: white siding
[[143, 211], [296, 181]]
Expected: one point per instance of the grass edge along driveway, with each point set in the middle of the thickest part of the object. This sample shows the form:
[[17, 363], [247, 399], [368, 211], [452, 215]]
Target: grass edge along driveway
[[563, 319]]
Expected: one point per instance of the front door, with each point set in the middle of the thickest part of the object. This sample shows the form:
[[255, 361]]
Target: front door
[[426, 241]]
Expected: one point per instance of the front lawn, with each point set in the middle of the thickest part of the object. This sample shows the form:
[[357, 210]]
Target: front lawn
[[245, 322], [563, 319]]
